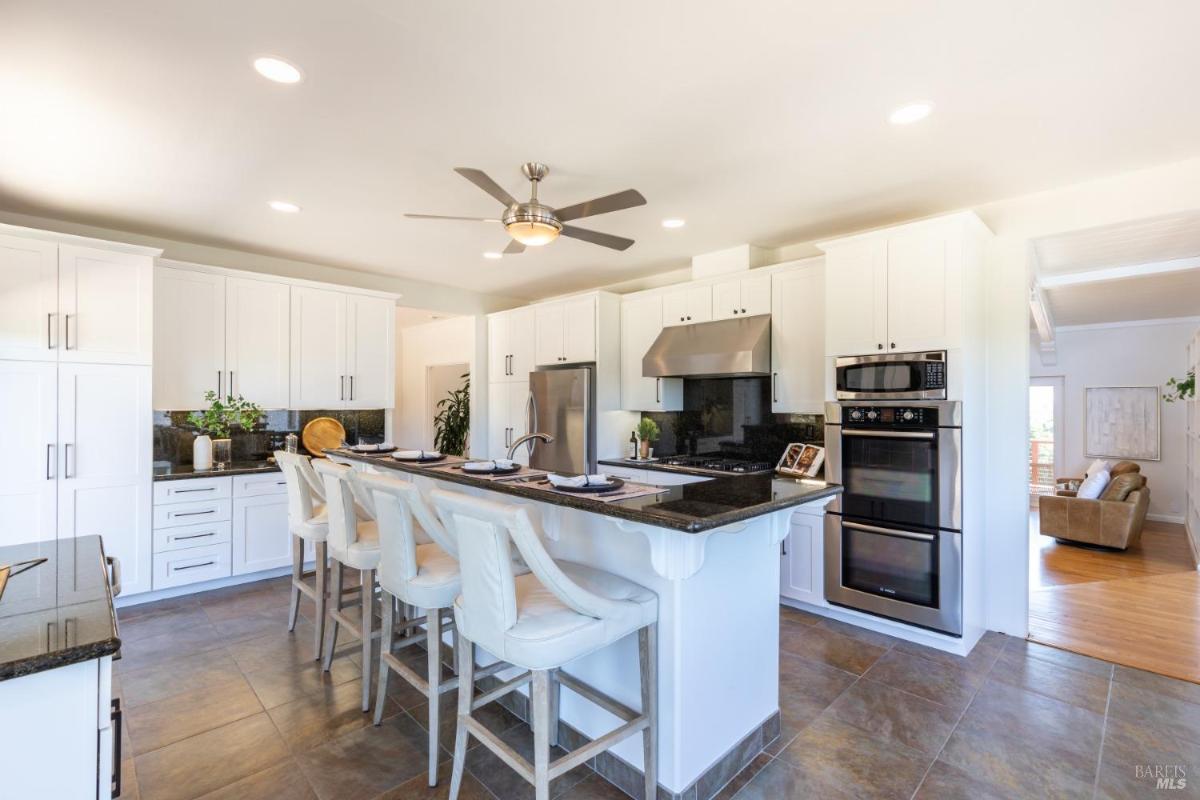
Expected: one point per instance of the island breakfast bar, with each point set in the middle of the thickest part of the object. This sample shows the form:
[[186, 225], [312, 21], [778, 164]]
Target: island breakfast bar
[[710, 551]]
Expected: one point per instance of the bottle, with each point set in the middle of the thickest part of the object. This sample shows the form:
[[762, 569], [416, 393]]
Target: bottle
[[290, 442], [633, 444]]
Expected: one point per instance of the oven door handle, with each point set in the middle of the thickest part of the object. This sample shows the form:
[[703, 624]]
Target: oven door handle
[[927, 435], [858, 526]]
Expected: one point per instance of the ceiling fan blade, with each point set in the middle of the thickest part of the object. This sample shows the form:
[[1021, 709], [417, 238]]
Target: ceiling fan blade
[[514, 248], [443, 216], [480, 179], [595, 237], [601, 205]]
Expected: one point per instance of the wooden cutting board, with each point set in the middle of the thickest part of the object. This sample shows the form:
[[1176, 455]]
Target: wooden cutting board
[[321, 434]]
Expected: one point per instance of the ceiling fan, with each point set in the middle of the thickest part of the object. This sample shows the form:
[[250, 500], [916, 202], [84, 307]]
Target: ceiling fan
[[534, 224]]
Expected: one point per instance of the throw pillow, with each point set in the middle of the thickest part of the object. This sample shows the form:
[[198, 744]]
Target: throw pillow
[[1093, 486], [1098, 466]]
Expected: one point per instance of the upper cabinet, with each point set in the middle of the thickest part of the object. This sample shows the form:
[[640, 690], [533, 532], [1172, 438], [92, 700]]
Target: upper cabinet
[[342, 350], [28, 299], [370, 351], [565, 331], [797, 339], [641, 322], [742, 297], [189, 338], [901, 289], [257, 337], [687, 305], [511, 345]]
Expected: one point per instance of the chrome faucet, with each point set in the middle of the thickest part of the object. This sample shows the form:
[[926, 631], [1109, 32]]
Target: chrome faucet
[[545, 437]]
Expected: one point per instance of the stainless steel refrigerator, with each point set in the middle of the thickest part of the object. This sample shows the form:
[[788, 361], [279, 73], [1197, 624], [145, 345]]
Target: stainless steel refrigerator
[[562, 404]]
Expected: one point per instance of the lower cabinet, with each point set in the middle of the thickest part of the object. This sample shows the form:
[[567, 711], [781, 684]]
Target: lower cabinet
[[802, 567], [260, 533]]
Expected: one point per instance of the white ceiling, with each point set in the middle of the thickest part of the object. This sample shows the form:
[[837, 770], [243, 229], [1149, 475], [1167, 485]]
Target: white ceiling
[[760, 122], [407, 317], [1162, 296], [1144, 241]]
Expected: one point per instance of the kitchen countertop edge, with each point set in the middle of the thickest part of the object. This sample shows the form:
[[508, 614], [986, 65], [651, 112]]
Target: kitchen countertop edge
[[218, 473]]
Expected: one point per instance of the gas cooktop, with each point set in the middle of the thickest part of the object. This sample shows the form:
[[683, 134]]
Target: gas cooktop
[[719, 464]]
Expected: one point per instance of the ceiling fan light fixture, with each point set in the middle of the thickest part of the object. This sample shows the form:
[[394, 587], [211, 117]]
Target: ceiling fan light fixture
[[532, 224]]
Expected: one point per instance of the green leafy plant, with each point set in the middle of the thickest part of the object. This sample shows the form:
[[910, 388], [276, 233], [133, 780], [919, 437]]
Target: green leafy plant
[[452, 425], [222, 416], [1181, 388], [647, 430]]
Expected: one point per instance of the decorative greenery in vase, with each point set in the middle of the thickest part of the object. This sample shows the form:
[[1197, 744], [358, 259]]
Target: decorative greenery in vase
[[452, 425], [222, 416], [1181, 388], [647, 432]]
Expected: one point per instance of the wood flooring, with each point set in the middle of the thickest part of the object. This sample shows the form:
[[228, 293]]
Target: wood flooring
[[1139, 608]]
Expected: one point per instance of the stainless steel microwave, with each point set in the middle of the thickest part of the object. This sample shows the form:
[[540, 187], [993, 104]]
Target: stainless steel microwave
[[892, 376]]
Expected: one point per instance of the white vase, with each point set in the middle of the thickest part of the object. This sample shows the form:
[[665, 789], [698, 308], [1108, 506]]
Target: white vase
[[202, 452]]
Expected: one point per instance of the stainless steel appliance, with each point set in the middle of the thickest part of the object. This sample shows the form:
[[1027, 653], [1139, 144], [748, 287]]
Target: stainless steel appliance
[[893, 539], [562, 404], [892, 376], [727, 348], [718, 464]]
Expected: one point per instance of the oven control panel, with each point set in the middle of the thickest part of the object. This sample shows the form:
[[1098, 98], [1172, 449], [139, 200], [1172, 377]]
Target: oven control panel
[[891, 416]]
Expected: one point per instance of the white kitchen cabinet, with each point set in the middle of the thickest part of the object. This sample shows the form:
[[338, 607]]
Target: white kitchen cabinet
[[798, 340], [742, 297], [641, 323], [370, 345], [29, 469], [257, 337], [802, 568], [104, 463], [342, 349], [687, 305], [260, 533], [565, 332], [924, 291], [548, 334], [106, 302], [189, 337], [29, 324], [508, 418], [511, 345], [856, 310]]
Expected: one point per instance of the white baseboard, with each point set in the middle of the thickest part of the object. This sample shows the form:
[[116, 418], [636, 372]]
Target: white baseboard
[[1177, 519], [193, 588]]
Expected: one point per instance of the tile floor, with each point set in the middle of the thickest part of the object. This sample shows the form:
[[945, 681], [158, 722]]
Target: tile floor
[[222, 703]]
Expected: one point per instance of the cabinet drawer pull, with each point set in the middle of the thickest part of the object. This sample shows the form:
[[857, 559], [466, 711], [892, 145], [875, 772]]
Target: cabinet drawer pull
[[49, 460], [196, 536], [49, 330], [194, 513], [194, 566], [188, 491]]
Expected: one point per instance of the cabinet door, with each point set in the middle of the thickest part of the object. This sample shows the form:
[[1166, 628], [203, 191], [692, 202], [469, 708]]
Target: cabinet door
[[700, 304], [498, 347], [521, 343], [640, 325], [107, 304], [499, 433], [579, 330], [260, 534], [29, 320], [856, 310], [924, 284], [29, 469], [318, 346], [189, 338], [797, 341], [370, 352], [675, 307], [727, 299], [548, 334], [803, 578], [257, 337], [756, 296], [519, 405], [105, 463]]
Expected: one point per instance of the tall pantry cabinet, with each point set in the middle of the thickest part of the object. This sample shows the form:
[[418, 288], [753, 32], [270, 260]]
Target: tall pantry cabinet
[[76, 340]]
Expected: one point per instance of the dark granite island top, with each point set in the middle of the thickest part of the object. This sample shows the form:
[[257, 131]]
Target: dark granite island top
[[178, 472], [58, 612], [694, 508]]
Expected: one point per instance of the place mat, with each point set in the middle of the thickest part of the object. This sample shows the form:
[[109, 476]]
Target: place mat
[[444, 461], [456, 469], [627, 492]]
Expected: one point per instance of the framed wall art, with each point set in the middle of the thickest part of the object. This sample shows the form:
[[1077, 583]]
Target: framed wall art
[[1123, 422]]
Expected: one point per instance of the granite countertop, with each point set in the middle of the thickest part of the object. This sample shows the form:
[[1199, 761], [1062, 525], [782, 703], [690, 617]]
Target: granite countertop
[[59, 612], [694, 508], [657, 466], [178, 472]]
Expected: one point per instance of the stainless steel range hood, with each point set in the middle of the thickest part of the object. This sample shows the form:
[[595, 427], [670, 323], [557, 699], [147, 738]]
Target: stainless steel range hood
[[728, 348]]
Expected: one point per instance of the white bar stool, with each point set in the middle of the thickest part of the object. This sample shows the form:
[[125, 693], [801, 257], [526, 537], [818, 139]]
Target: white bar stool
[[355, 544], [307, 522], [540, 622]]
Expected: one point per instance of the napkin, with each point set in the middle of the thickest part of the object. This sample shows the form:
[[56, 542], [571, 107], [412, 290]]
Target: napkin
[[412, 454], [488, 466], [371, 448], [578, 480]]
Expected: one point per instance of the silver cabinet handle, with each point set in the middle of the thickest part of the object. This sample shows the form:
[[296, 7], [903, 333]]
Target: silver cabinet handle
[[927, 435], [50, 636], [68, 448], [49, 460], [220, 376], [775, 387], [194, 566], [858, 526], [232, 393], [351, 387], [658, 390], [783, 546], [195, 536], [189, 491], [50, 330], [342, 387], [195, 513], [67, 331]]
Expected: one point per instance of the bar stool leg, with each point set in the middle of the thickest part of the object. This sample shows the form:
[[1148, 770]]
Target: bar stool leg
[[321, 553], [466, 694], [433, 643], [455, 642], [385, 647], [540, 695], [555, 694], [367, 578], [335, 595], [297, 576], [648, 658]]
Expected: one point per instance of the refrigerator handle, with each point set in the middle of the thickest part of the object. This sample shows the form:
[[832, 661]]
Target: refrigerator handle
[[531, 422]]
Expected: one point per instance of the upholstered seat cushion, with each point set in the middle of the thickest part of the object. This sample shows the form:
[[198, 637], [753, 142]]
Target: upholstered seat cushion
[[364, 552], [436, 584], [548, 633], [316, 527]]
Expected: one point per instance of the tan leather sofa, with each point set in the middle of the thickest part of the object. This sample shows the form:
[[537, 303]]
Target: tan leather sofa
[[1114, 520]]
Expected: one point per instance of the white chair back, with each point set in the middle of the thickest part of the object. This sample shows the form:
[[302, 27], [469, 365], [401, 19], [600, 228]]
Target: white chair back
[[303, 488], [340, 505], [403, 517]]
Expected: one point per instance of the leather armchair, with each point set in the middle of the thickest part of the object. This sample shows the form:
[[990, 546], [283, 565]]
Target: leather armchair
[[1114, 520], [1069, 487]]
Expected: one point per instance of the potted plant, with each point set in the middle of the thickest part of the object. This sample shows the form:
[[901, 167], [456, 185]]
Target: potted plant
[[1181, 388], [452, 425], [215, 424], [647, 432]]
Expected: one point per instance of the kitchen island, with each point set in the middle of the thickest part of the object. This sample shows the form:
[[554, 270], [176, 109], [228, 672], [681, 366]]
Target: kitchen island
[[710, 550]]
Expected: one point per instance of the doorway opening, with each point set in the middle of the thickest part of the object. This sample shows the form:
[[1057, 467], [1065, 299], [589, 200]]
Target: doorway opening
[[440, 381], [1045, 420]]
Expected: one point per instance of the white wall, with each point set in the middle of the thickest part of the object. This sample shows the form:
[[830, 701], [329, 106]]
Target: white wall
[[1139, 354], [447, 341]]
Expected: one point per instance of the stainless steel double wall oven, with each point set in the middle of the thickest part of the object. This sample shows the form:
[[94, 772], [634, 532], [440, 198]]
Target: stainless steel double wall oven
[[893, 539]]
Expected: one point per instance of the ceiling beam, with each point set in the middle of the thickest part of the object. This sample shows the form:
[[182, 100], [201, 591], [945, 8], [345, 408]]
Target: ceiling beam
[[1039, 308], [1117, 273]]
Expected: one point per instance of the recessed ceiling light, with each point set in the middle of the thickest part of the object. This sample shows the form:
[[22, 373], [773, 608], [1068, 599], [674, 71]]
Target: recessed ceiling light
[[913, 112], [673, 223], [284, 206], [278, 70], [493, 255]]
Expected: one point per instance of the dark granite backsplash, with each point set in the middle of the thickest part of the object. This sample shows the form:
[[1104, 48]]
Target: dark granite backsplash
[[173, 435], [732, 416]]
